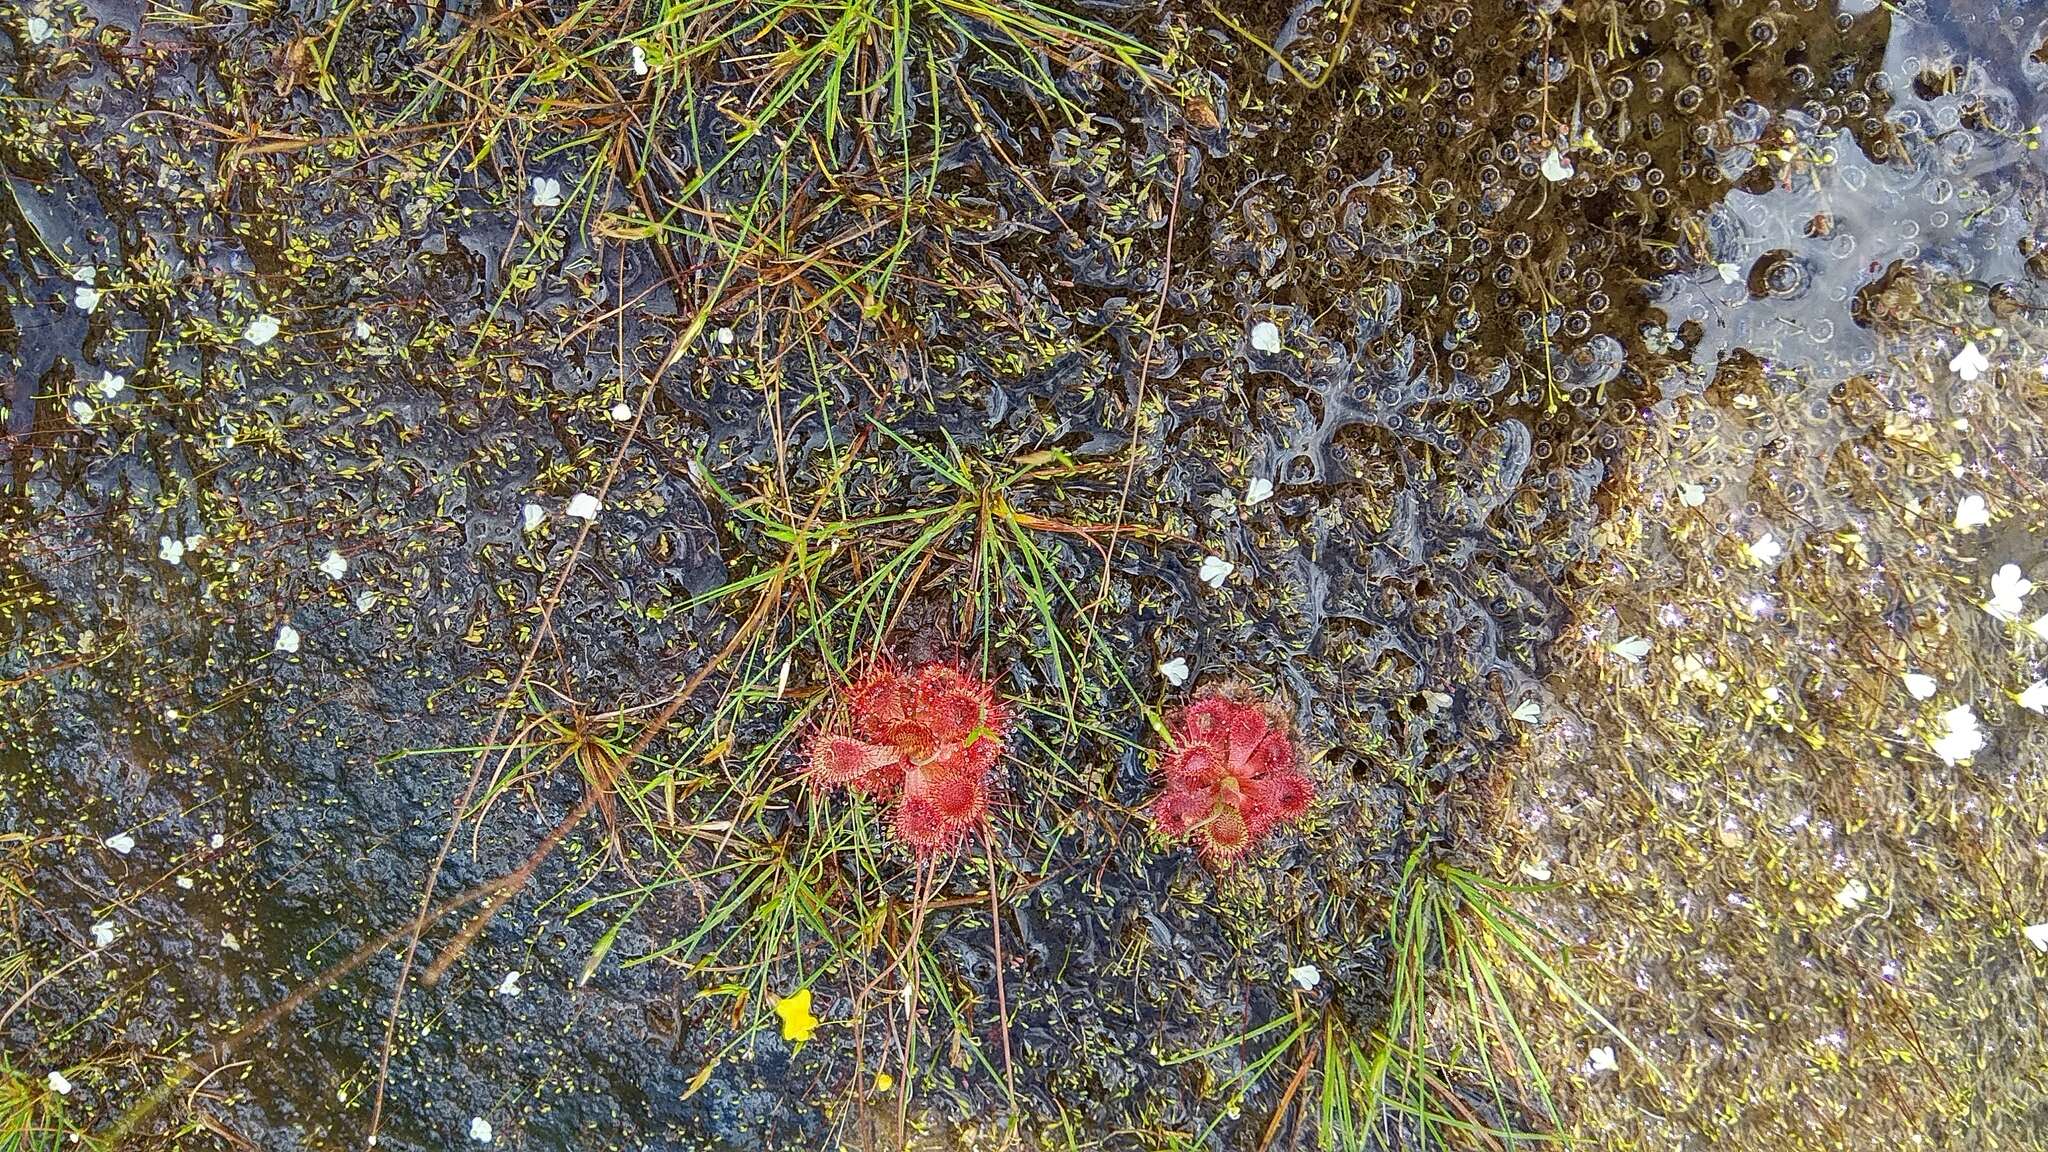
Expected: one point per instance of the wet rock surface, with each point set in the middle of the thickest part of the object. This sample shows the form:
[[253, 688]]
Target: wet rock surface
[[1007, 424]]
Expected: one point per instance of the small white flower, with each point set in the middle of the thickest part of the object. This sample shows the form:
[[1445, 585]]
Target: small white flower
[[1215, 570], [1853, 893], [622, 411], [1691, 495], [1257, 491], [262, 330], [58, 1084], [2008, 588], [1535, 868], [335, 565], [1601, 1059], [1632, 649], [82, 411], [121, 842], [1919, 685], [1528, 712], [85, 297], [1175, 670], [366, 601], [1305, 976], [230, 941], [184, 882], [639, 60], [1972, 512], [287, 638], [362, 328], [103, 934], [1764, 550], [2034, 698], [2039, 627], [1960, 738], [1556, 166], [726, 336], [547, 192], [111, 384], [215, 841], [1970, 363], [531, 516], [2037, 935], [1266, 337], [1731, 272], [509, 986], [1435, 701], [480, 1130], [584, 506]]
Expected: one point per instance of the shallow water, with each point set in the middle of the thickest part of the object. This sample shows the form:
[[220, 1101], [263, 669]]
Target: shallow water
[[1489, 385]]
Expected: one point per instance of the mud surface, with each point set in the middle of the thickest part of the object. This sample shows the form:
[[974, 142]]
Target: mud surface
[[1517, 258]]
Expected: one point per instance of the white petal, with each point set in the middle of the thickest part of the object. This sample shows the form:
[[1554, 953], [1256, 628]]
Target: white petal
[[1305, 976], [1632, 649], [1436, 701], [2008, 588], [170, 549], [726, 336], [547, 192], [111, 384], [215, 841], [1764, 550], [1175, 671], [103, 933], [1731, 273], [2039, 627], [184, 882], [2037, 935], [85, 274], [480, 1130], [1971, 362], [1215, 570], [1601, 1059], [584, 506], [1972, 512], [85, 297], [1266, 337], [58, 1084], [1853, 893], [2035, 697], [531, 516], [1919, 685], [639, 60], [287, 638], [121, 842], [1257, 491], [1959, 738], [622, 411], [1691, 495], [335, 565], [82, 411], [366, 601], [262, 330], [1528, 712], [362, 328], [1556, 166], [509, 986], [230, 941], [1536, 868]]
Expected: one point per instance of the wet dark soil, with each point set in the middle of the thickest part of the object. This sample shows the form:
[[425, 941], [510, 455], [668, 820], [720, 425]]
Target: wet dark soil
[[1466, 333]]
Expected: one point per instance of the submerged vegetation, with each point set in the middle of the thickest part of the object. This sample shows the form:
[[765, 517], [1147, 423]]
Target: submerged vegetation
[[997, 573]]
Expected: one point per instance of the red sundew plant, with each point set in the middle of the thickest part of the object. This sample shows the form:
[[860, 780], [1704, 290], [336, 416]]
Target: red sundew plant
[[926, 739], [1232, 777]]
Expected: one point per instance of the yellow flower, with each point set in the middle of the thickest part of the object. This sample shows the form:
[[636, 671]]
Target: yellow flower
[[797, 1021]]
